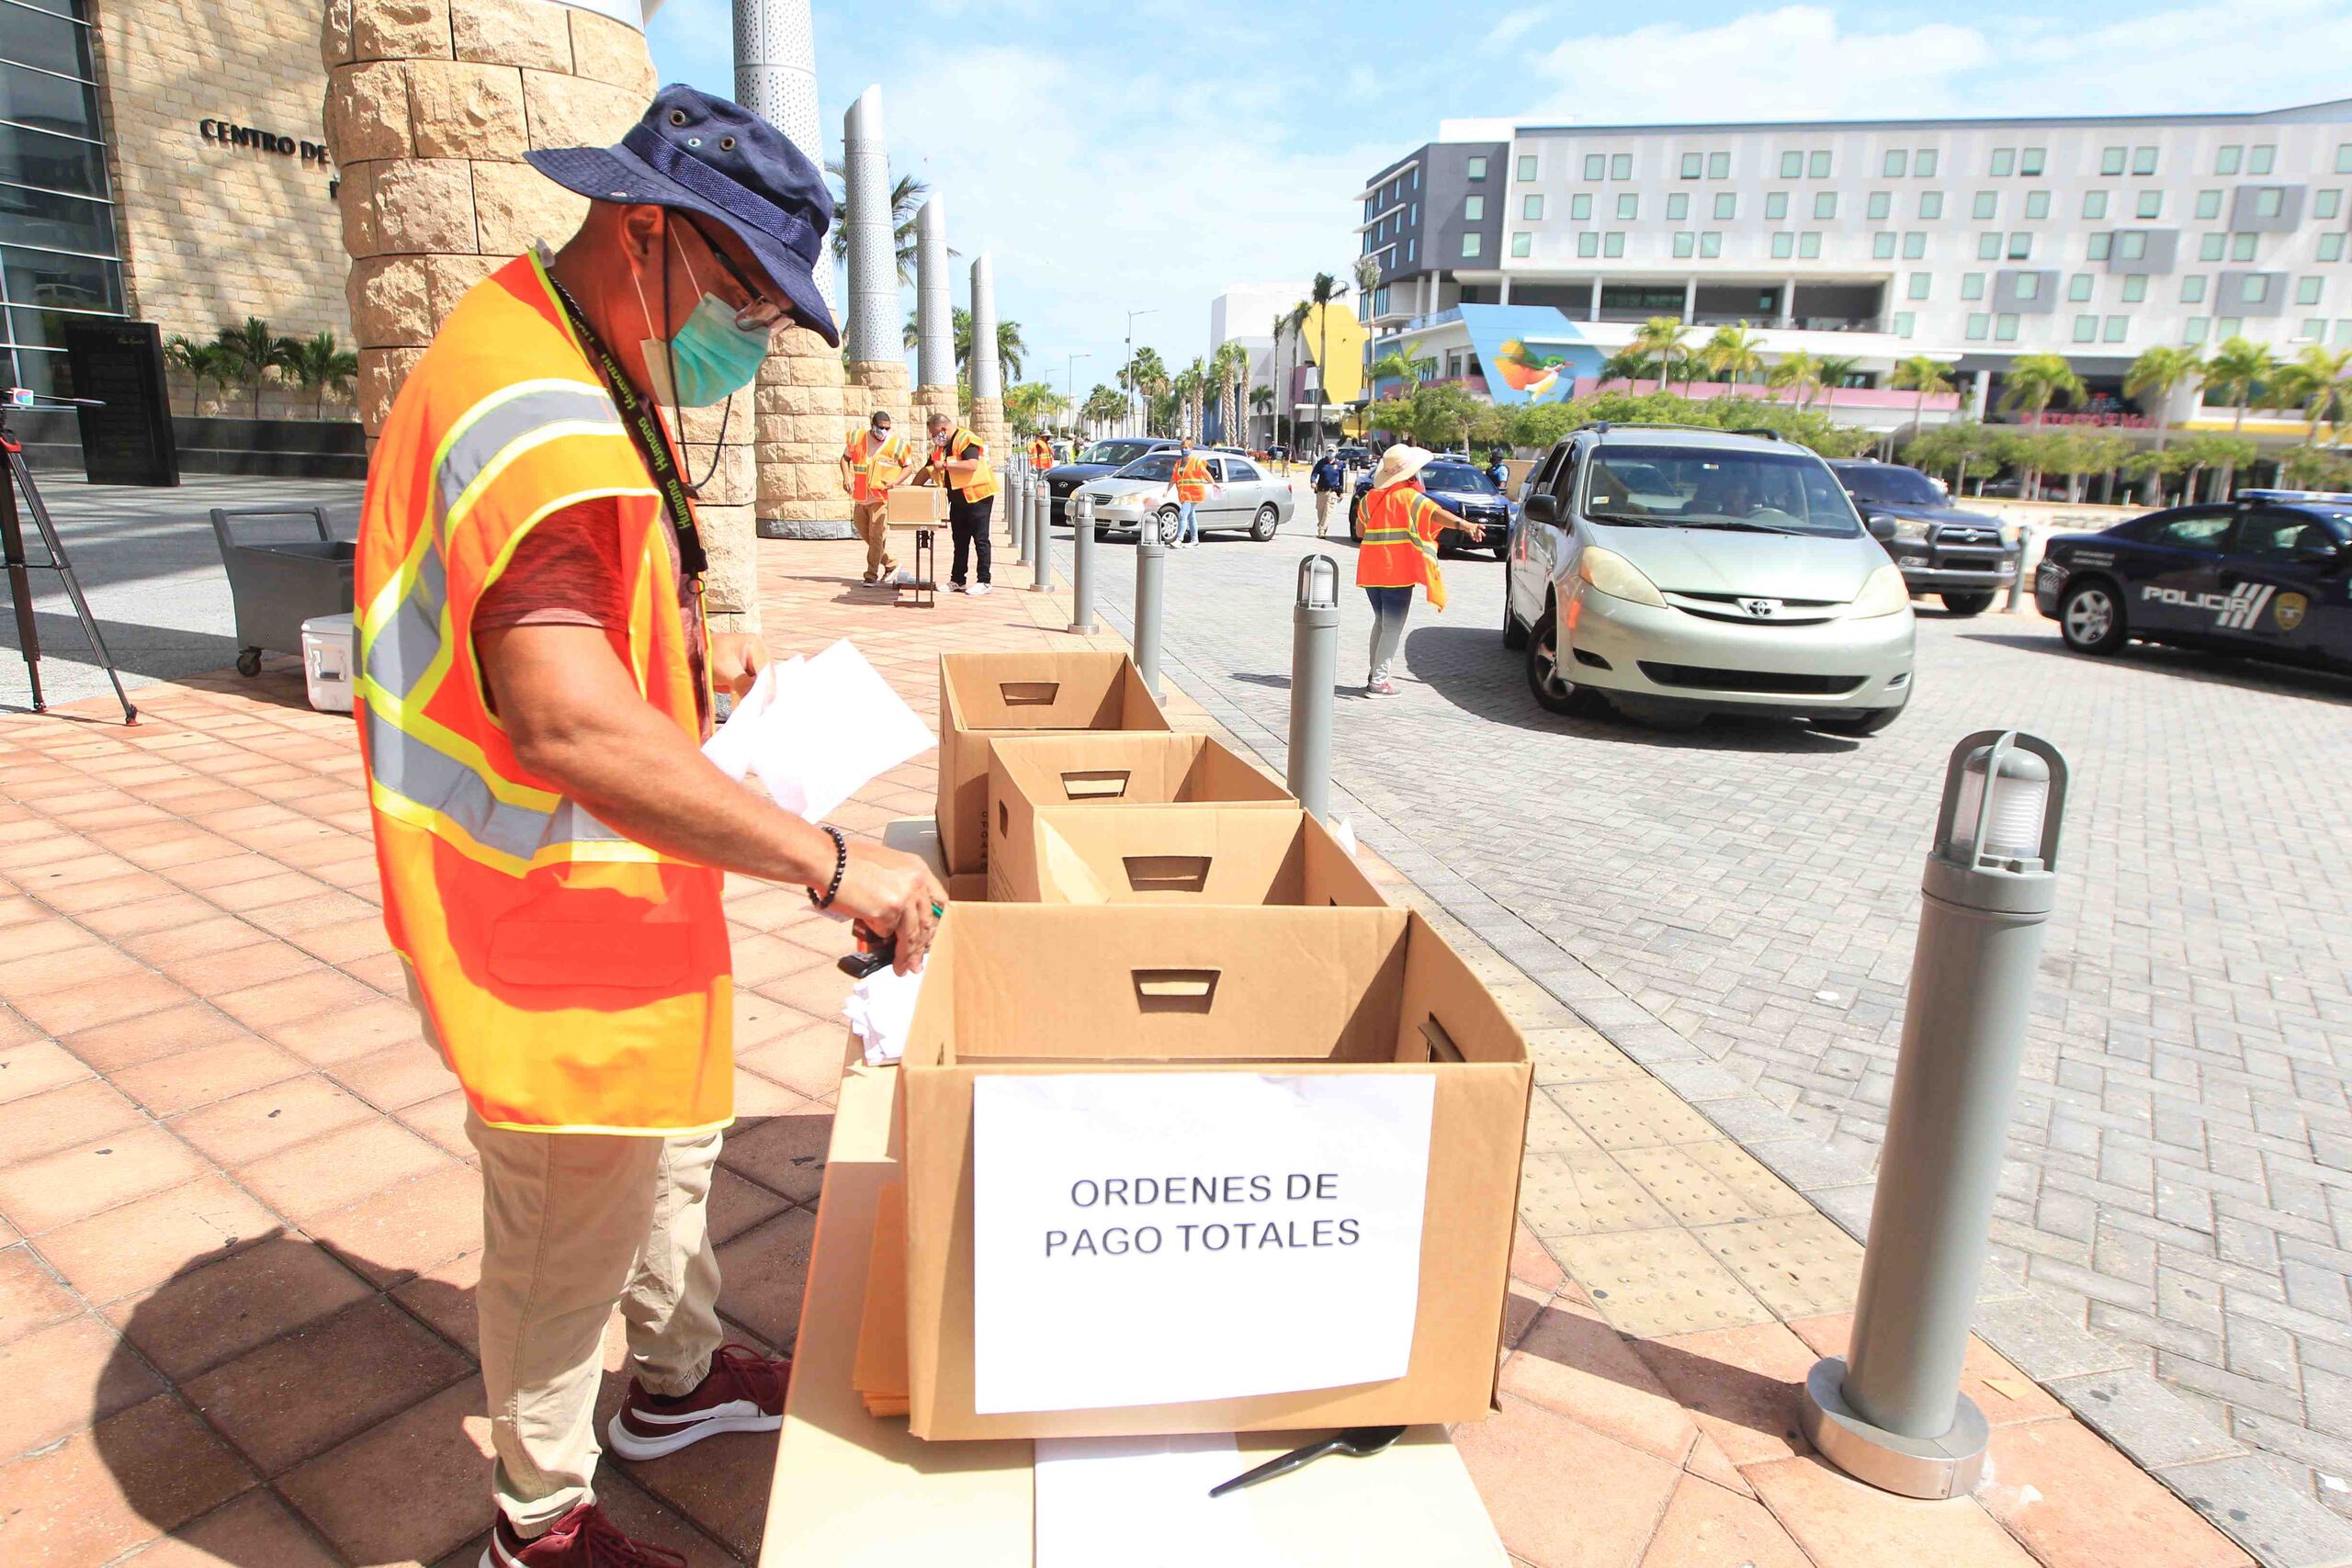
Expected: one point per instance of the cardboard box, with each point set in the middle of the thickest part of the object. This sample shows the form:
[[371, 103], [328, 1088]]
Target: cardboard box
[[985, 695], [1174, 855], [914, 506], [1093, 770], [1044, 989]]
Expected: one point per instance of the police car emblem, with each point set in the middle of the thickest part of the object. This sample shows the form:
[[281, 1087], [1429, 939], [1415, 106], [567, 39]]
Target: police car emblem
[[2290, 610]]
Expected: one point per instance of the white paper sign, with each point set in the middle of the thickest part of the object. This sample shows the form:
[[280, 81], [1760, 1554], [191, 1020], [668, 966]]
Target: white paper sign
[[1149, 1238]]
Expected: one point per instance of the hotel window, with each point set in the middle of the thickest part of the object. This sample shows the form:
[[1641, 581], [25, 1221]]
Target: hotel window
[[1719, 165], [2078, 287], [1903, 321], [2209, 247], [2143, 160], [2021, 246], [1808, 245], [2259, 160], [2005, 162], [1881, 203], [58, 265], [2030, 160], [2086, 329], [2327, 203], [1678, 207], [1918, 285], [1988, 246], [2344, 157], [2005, 329], [2151, 204], [1691, 163], [1896, 163], [1629, 205], [1527, 165], [2331, 247], [1620, 166], [2029, 285], [2192, 288], [1470, 244], [1818, 166], [1971, 285], [2194, 330], [1825, 204], [1588, 244], [2209, 204], [1531, 208], [1726, 204], [2307, 291], [2314, 328], [1792, 166], [1931, 204], [2094, 204], [2116, 327], [2135, 287], [1477, 170], [1474, 207], [2242, 247], [1986, 205], [1882, 245], [2227, 160], [1923, 165], [2254, 289], [1776, 205], [1711, 243], [1915, 245], [1595, 166], [1612, 244], [1977, 324], [2037, 204], [1784, 246], [2269, 203], [2343, 332], [2099, 247], [1685, 243], [2111, 161], [1580, 206], [1523, 244], [2131, 245], [2229, 326]]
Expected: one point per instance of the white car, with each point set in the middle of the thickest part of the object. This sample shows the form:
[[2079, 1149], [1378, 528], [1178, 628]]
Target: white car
[[1241, 496], [1674, 572]]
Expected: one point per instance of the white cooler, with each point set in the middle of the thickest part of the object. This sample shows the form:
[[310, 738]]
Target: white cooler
[[326, 661]]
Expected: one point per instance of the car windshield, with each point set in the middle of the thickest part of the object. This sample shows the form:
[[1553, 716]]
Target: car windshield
[[1114, 454], [1456, 476], [1677, 486], [1156, 466], [1892, 484]]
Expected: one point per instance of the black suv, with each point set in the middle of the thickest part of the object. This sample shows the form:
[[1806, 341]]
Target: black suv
[[1966, 557]]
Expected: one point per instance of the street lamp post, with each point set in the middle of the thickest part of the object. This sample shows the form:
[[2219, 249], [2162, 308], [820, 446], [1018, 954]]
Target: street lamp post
[[1069, 391], [1131, 361]]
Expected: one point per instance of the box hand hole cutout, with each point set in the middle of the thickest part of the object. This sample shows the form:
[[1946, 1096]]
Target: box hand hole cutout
[[1167, 874], [1176, 990], [1106, 785], [1029, 694]]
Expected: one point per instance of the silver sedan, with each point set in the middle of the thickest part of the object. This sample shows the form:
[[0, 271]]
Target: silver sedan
[[1242, 496]]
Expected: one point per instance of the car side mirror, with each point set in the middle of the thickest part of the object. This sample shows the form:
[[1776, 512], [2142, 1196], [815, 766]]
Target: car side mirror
[[1541, 508], [1882, 526]]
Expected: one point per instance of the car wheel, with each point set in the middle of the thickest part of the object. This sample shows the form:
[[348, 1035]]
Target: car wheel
[[1968, 603], [1170, 525], [2091, 618], [1869, 721], [1268, 521], [1554, 691], [1514, 634]]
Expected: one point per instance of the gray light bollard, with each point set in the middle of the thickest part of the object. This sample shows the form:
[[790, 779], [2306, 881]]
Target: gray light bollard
[[1082, 548], [1022, 495], [1012, 505], [1314, 673], [1041, 543], [1891, 1413], [1151, 567]]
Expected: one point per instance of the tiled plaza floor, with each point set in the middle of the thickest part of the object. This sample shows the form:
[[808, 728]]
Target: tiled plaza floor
[[239, 1223]]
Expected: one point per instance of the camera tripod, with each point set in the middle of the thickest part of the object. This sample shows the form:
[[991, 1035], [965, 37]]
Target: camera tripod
[[20, 588]]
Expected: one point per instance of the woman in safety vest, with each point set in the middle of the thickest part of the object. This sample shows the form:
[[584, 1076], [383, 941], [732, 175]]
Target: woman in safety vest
[[1400, 530], [1190, 480]]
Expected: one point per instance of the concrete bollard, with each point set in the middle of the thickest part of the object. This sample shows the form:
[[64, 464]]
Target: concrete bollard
[[1041, 543], [1314, 675], [1013, 506], [1081, 546], [1890, 1411], [1151, 567], [1022, 495]]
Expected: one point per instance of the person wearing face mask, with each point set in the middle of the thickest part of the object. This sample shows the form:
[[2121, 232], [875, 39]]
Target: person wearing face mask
[[1401, 526], [871, 463], [959, 460], [535, 682]]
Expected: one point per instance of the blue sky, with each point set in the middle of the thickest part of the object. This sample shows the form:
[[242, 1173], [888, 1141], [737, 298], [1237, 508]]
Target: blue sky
[[1111, 158]]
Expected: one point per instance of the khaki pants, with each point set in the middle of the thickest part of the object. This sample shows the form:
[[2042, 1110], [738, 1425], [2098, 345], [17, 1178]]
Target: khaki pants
[[1323, 498], [868, 514]]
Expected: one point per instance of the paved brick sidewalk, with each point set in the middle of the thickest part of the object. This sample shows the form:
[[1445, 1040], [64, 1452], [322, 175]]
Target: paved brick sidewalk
[[239, 1314]]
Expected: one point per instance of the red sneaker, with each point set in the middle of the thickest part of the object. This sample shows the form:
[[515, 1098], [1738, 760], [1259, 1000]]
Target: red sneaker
[[582, 1539], [743, 1392]]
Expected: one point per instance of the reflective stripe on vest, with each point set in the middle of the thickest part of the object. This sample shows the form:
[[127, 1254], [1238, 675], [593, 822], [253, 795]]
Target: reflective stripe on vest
[[982, 484], [1395, 553], [865, 454]]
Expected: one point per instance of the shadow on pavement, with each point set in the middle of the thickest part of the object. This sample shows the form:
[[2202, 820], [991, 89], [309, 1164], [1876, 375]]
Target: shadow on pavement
[[2244, 672], [165, 652]]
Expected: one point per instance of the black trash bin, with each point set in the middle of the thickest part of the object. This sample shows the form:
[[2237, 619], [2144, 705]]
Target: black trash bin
[[277, 586]]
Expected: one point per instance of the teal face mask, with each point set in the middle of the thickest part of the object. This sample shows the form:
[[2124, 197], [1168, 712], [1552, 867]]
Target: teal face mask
[[711, 357]]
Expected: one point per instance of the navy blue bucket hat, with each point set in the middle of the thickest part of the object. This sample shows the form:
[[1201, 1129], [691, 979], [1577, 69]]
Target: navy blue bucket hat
[[705, 154]]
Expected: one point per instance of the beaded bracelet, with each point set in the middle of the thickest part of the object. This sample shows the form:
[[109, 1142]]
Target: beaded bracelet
[[841, 868]]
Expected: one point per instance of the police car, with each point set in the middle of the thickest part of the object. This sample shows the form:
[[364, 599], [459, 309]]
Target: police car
[[2268, 574]]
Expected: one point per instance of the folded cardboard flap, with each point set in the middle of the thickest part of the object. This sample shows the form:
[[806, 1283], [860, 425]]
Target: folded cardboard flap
[[1106, 768], [1193, 855]]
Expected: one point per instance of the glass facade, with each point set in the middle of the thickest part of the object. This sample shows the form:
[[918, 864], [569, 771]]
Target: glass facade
[[60, 256]]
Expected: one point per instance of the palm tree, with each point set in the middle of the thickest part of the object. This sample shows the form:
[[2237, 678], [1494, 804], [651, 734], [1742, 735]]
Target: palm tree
[[2239, 370], [1104, 405], [1925, 376], [203, 362], [2034, 381], [1261, 401], [2321, 373], [1836, 370], [1661, 338], [907, 194], [1801, 370], [1628, 364], [1732, 353], [1325, 291], [318, 365], [252, 351], [1147, 377], [1228, 374], [1009, 346], [1293, 320], [2151, 380], [1393, 367]]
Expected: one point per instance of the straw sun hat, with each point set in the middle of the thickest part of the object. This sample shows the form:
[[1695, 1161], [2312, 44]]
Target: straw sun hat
[[1400, 463]]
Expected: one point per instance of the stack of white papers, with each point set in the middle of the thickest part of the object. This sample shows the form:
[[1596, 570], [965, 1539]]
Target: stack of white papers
[[815, 731], [881, 1009]]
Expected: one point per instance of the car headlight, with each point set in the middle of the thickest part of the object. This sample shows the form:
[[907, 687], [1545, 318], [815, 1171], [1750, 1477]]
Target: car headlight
[[1620, 579], [1883, 595], [1910, 528]]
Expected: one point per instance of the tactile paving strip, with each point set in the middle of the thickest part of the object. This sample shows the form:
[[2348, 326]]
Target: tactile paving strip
[[1799, 1264], [1577, 1055], [1631, 1114], [1651, 1283], [1711, 1184], [1550, 1132], [1565, 1195]]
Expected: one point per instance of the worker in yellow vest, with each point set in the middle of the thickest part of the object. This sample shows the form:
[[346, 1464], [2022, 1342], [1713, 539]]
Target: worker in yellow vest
[[1401, 526], [1041, 452], [873, 460], [959, 460], [1189, 481], [535, 684]]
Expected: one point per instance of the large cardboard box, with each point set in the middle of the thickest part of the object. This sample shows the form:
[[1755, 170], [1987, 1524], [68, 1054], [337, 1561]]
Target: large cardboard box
[[985, 695], [1093, 770], [914, 506], [1057, 989], [1174, 855]]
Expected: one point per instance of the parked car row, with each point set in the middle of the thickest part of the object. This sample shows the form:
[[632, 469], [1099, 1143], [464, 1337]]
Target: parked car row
[[1241, 496]]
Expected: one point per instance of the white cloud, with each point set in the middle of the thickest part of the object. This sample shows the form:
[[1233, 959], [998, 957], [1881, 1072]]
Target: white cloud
[[1515, 24]]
